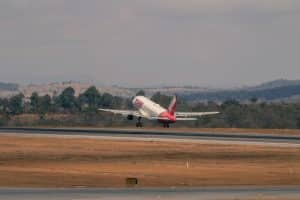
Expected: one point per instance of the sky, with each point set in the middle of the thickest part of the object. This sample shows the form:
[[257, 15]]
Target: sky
[[215, 43]]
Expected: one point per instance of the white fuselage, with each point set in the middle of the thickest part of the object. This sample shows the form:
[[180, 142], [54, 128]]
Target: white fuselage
[[147, 107]]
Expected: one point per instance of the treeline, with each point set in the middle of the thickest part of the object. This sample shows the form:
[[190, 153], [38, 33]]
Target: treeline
[[66, 102], [81, 110], [66, 109]]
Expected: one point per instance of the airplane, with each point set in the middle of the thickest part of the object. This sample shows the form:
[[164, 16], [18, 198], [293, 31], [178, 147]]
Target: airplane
[[150, 110]]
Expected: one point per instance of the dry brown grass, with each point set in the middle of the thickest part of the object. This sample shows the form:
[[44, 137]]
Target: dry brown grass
[[68, 162], [234, 130]]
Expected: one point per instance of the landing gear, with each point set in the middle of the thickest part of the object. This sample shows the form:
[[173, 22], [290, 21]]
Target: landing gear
[[166, 125], [139, 123]]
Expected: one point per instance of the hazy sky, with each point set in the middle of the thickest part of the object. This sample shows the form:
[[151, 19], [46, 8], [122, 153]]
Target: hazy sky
[[150, 42]]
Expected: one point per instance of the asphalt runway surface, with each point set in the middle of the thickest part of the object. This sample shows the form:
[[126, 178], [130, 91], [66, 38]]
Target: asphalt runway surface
[[216, 193], [165, 135]]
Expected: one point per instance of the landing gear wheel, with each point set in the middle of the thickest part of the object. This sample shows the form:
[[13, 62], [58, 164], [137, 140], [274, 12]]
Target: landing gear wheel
[[166, 125], [139, 123]]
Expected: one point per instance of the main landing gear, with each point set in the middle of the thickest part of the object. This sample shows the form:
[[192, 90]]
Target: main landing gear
[[166, 125], [139, 123]]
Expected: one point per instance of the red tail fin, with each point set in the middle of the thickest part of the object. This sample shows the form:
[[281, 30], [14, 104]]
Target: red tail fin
[[172, 106]]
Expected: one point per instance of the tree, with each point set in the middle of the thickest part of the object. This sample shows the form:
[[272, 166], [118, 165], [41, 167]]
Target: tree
[[117, 102], [40, 104], [91, 97], [3, 105], [106, 100], [140, 93], [44, 104], [230, 102], [34, 101], [67, 99], [15, 104]]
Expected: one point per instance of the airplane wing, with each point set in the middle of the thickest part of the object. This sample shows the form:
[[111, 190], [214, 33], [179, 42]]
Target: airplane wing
[[194, 114], [123, 112]]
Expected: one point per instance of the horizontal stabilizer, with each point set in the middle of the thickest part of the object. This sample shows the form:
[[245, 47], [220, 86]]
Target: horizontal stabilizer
[[194, 114], [159, 118], [186, 119]]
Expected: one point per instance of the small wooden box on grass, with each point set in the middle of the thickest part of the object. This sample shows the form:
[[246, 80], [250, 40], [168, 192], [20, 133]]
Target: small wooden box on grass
[[131, 181]]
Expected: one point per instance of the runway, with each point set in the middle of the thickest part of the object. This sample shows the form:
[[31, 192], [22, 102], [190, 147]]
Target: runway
[[141, 134], [210, 193]]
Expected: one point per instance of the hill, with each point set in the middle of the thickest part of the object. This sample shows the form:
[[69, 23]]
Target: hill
[[8, 86], [278, 90], [8, 89], [275, 84]]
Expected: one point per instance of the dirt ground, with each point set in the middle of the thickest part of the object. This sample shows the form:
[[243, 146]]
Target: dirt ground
[[27, 161], [245, 130]]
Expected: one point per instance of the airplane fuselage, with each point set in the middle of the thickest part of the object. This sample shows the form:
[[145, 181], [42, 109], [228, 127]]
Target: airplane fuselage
[[151, 109]]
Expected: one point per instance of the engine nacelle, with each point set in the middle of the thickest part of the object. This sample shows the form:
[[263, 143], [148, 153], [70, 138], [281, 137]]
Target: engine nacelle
[[130, 117]]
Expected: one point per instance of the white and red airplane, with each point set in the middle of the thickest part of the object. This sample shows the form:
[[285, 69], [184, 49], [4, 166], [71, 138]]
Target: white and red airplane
[[152, 111]]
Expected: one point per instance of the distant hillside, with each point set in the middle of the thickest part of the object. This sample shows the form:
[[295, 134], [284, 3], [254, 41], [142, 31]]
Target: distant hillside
[[8, 86], [275, 84], [171, 90], [277, 90], [56, 88]]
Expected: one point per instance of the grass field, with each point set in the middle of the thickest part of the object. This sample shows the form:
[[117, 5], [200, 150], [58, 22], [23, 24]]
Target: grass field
[[27, 161]]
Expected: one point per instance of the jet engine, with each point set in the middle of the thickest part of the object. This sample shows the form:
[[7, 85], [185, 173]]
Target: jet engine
[[130, 117]]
